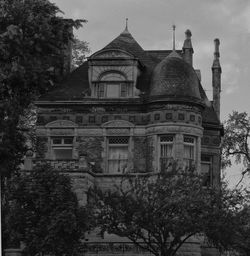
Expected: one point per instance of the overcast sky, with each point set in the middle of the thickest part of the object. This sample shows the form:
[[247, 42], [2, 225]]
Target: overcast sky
[[150, 22]]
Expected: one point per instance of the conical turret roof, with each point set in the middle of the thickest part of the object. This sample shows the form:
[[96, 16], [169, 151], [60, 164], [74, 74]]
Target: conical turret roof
[[174, 78]]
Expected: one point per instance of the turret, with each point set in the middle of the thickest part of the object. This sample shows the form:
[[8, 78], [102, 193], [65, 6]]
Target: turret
[[216, 78], [188, 48]]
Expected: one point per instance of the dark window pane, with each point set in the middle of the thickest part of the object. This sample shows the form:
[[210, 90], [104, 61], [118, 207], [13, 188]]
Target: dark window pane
[[57, 141], [132, 119], [92, 119], [52, 118], [79, 119], [167, 138], [123, 90], [63, 154], [189, 139], [181, 116], [118, 140], [68, 140], [169, 116], [104, 119], [192, 118], [101, 90], [157, 116]]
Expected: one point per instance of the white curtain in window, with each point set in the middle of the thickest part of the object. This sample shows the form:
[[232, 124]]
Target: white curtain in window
[[188, 155], [189, 152], [166, 155], [117, 159], [167, 150]]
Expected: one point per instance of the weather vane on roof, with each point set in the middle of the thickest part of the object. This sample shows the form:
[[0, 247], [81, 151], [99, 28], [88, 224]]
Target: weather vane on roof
[[126, 24], [173, 36]]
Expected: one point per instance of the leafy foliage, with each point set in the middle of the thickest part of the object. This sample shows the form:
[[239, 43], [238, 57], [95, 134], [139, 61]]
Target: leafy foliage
[[236, 141], [160, 213], [32, 46], [79, 50], [241, 242], [43, 212]]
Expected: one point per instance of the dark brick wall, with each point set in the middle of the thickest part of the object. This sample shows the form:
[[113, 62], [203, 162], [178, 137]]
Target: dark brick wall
[[140, 154], [149, 153]]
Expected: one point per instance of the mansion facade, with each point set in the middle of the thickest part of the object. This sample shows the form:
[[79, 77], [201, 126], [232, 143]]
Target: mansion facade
[[130, 110]]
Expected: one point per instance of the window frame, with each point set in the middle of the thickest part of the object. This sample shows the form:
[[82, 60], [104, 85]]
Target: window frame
[[119, 79], [167, 160], [208, 181], [61, 146], [189, 162], [116, 145]]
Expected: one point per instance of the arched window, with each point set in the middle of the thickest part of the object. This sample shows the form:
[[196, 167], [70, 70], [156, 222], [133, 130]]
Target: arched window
[[112, 85], [112, 76]]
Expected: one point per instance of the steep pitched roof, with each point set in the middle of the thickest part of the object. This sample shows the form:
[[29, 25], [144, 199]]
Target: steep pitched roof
[[72, 88], [76, 85], [125, 41]]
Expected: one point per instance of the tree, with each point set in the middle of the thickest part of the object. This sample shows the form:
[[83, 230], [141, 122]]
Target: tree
[[79, 50], [32, 46], [236, 142], [43, 212], [161, 213], [241, 241]]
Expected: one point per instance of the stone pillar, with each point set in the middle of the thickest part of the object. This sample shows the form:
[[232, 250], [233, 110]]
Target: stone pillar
[[198, 154], [179, 146]]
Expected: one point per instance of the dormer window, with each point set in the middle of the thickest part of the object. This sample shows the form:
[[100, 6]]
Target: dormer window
[[113, 85]]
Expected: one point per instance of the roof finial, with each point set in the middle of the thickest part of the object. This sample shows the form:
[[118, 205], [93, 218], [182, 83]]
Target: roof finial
[[125, 31], [174, 37]]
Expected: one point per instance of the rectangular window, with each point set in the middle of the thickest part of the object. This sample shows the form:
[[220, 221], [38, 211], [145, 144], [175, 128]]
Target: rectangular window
[[118, 154], [101, 90], [166, 151], [113, 90], [62, 148], [124, 90], [206, 169], [189, 151]]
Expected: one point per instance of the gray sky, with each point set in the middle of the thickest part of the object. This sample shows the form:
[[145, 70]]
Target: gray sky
[[150, 23]]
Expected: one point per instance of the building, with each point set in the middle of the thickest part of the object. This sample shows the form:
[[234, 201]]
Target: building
[[127, 109]]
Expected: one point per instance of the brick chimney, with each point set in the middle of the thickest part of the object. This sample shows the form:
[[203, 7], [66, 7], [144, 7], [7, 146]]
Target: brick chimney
[[216, 78], [188, 48]]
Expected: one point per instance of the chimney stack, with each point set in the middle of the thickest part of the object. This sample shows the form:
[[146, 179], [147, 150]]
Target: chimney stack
[[216, 78], [188, 48]]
